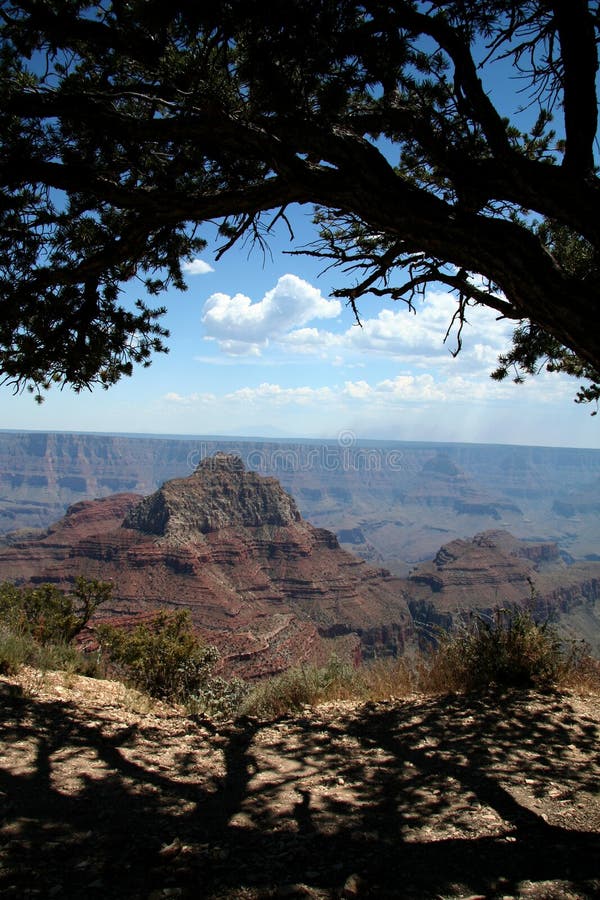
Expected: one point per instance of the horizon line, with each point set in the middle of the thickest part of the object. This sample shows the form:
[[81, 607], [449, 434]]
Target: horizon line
[[356, 439]]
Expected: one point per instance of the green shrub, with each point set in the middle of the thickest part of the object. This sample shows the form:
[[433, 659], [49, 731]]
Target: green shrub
[[15, 650], [37, 625], [510, 650], [218, 697], [165, 658], [21, 649], [49, 615]]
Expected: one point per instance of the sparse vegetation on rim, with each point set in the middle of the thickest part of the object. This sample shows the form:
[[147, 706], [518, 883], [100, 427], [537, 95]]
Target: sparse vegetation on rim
[[164, 658], [38, 625]]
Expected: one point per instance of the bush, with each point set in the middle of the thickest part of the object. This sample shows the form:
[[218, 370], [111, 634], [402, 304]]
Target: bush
[[47, 614], [21, 649], [302, 686], [165, 658], [383, 679], [39, 624], [582, 670], [15, 650], [218, 697], [162, 657], [511, 650]]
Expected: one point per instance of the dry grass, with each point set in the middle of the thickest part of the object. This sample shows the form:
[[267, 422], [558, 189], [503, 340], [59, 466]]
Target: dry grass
[[510, 651]]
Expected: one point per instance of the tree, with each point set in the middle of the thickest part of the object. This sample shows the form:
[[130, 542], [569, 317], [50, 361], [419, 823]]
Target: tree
[[49, 614], [125, 125]]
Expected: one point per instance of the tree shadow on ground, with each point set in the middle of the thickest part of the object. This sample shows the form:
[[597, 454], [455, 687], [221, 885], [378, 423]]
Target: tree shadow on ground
[[494, 796]]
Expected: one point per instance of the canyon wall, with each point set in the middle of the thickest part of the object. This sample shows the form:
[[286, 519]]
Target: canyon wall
[[391, 503]]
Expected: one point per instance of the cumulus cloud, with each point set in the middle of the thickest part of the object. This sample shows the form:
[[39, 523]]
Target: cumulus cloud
[[188, 399], [280, 323], [312, 341], [398, 390], [274, 393], [241, 326], [418, 339], [400, 332], [365, 404], [196, 267]]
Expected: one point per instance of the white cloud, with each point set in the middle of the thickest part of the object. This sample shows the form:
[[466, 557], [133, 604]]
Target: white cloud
[[406, 406], [188, 400], [398, 390], [358, 389], [239, 348], [196, 267], [241, 326], [312, 341], [401, 333], [280, 396], [276, 328], [410, 338]]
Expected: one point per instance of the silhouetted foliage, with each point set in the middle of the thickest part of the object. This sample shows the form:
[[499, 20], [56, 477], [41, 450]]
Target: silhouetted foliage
[[125, 125]]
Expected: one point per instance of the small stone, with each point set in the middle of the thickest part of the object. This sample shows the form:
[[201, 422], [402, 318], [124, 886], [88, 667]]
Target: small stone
[[352, 886], [170, 851]]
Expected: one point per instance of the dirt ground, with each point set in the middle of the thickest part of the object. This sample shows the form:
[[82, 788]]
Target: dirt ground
[[105, 796]]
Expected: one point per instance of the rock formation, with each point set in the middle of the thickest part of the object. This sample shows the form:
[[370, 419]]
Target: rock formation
[[394, 502], [494, 570], [271, 590], [265, 586]]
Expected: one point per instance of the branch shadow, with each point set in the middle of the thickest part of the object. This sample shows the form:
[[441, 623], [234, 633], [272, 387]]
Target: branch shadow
[[432, 798]]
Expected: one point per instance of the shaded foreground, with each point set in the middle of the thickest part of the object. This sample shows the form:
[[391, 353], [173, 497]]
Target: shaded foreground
[[444, 797]]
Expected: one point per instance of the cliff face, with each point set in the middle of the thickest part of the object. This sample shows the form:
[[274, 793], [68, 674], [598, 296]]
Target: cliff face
[[393, 504], [263, 584], [494, 569], [272, 590], [221, 494]]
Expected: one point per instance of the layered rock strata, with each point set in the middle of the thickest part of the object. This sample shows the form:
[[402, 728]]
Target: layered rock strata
[[268, 588], [495, 570]]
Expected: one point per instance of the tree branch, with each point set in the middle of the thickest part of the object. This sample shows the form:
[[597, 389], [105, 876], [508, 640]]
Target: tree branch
[[468, 85], [580, 66]]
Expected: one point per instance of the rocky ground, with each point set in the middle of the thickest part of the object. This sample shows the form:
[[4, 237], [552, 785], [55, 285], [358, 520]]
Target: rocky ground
[[104, 794]]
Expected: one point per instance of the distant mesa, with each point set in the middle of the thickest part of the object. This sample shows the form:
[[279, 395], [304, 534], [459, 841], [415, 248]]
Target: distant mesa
[[271, 589], [494, 569], [441, 464], [220, 494], [263, 584], [419, 490]]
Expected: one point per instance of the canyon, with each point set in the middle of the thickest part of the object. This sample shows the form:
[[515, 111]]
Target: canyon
[[392, 503], [270, 589], [263, 585]]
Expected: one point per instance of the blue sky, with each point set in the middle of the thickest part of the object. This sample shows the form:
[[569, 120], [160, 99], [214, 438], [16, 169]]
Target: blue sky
[[260, 348]]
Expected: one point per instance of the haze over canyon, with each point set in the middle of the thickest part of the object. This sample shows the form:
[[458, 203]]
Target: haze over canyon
[[443, 530]]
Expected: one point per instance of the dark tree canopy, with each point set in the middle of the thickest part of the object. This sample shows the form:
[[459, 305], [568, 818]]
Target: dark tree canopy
[[125, 125]]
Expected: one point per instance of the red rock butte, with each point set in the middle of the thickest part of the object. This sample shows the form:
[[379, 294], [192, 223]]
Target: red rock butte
[[268, 588]]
